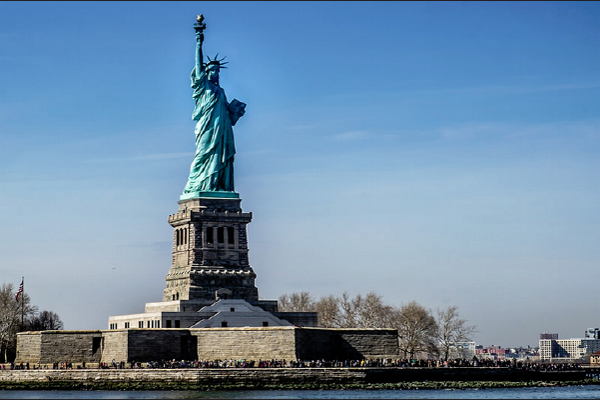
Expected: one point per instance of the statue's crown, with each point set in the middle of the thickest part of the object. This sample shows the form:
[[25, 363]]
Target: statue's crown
[[216, 61]]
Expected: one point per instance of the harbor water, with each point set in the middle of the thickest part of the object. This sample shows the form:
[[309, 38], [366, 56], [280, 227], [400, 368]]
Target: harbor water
[[567, 392]]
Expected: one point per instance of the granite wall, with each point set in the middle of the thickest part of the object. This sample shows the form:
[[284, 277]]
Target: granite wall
[[47, 347], [259, 343], [246, 343]]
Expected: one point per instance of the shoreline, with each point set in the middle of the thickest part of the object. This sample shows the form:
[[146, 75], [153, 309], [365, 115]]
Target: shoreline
[[288, 379]]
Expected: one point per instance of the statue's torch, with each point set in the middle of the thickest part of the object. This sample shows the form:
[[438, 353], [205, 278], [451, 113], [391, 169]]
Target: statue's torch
[[200, 26]]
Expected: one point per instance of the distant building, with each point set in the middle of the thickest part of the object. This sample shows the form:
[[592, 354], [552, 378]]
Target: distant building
[[546, 335], [523, 353], [491, 352], [464, 350], [568, 349], [592, 333]]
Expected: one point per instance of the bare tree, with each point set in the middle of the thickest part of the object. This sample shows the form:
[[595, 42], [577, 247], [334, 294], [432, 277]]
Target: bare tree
[[341, 312], [45, 321], [371, 312], [328, 312], [12, 316], [296, 302], [348, 317], [417, 329], [452, 329], [9, 318]]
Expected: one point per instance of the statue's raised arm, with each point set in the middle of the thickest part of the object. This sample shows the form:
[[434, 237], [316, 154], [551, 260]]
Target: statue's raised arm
[[199, 26]]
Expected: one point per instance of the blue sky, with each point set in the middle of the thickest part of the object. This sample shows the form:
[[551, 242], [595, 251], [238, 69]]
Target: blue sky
[[441, 152]]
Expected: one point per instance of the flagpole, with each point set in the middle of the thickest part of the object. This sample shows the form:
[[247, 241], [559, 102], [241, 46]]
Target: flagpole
[[22, 309]]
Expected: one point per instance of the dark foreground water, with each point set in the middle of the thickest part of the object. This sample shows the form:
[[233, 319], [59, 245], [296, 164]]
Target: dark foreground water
[[570, 392]]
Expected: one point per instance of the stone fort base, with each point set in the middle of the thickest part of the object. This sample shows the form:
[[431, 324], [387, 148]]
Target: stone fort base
[[266, 343]]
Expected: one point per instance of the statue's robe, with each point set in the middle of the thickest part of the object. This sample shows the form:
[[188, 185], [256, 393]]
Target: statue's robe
[[212, 168]]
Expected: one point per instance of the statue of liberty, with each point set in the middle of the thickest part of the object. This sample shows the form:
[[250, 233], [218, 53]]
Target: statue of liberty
[[211, 173]]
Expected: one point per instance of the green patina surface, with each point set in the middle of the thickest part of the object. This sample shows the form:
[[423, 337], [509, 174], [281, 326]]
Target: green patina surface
[[212, 167], [212, 194]]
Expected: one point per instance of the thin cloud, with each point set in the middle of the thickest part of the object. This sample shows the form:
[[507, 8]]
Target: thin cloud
[[261, 152], [515, 89], [469, 130], [156, 245], [148, 157], [589, 128], [352, 136], [164, 156]]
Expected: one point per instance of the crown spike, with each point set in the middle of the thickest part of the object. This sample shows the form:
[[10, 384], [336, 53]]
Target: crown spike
[[216, 61]]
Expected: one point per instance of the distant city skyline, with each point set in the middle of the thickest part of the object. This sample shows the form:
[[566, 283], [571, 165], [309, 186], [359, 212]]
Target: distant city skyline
[[439, 152]]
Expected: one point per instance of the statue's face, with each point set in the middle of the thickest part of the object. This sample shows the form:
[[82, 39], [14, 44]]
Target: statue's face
[[212, 72]]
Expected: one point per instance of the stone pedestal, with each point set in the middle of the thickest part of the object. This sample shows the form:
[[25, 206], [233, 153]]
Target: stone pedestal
[[210, 252]]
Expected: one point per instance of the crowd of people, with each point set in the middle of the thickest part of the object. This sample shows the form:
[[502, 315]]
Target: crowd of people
[[276, 363]]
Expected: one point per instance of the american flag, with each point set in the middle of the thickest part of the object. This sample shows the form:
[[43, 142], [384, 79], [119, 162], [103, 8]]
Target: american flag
[[19, 291]]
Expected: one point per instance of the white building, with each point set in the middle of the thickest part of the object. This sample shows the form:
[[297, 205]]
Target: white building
[[237, 313], [464, 350], [567, 349], [223, 313]]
